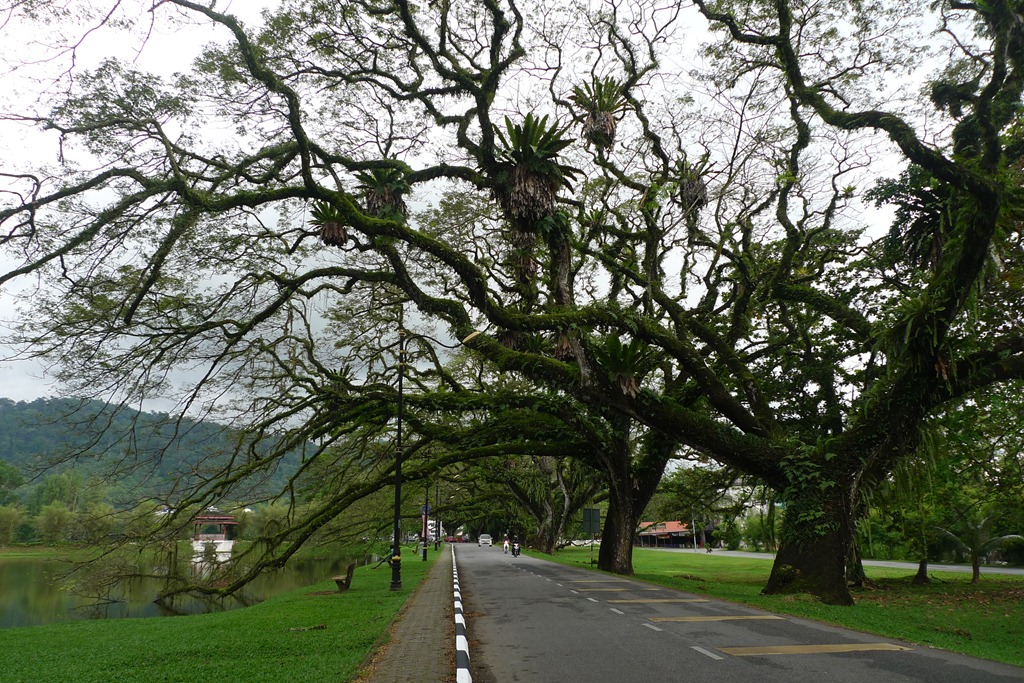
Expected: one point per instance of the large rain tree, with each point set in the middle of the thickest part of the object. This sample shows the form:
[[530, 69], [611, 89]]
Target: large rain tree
[[668, 236]]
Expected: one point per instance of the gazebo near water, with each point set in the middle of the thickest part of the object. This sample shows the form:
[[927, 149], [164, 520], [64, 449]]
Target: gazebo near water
[[214, 528]]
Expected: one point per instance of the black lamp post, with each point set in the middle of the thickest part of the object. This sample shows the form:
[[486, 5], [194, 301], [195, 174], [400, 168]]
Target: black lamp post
[[426, 516], [437, 514], [396, 553]]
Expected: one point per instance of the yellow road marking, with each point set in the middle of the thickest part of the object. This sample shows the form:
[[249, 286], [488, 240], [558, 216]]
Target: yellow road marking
[[711, 618], [645, 600], [809, 649], [616, 590]]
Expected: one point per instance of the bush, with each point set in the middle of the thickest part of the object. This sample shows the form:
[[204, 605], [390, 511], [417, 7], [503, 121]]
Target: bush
[[1013, 551]]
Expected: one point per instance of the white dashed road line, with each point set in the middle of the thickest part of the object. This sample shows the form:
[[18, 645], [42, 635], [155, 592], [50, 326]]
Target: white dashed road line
[[706, 653]]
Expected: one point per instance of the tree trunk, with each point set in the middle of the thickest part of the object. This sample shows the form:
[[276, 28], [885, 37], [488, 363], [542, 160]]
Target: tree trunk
[[817, 537], [921, 577], [855, 571], [631, 483], [616, 553], [546, 535], [975, 568]]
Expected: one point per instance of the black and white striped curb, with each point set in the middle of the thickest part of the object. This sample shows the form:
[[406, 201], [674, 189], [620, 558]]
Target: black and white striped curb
[[462, 674]]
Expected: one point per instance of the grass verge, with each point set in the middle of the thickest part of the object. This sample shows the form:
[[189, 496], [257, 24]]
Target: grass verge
[[270, 642], [983, 620]]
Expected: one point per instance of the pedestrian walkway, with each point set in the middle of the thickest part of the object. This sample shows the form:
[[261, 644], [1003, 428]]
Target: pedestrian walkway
[[421, 646]]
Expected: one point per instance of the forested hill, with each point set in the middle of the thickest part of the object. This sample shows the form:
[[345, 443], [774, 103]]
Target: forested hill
[[40, 431]]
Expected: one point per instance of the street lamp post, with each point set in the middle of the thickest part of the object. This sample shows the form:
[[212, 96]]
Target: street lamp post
[[437, 514], [426, 516], [396, 553]]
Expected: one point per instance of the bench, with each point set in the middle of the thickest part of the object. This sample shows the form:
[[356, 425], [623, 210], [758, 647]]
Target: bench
[[344, 582]]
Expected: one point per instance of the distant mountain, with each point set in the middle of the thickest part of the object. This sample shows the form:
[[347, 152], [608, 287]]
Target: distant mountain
[[150, 449]]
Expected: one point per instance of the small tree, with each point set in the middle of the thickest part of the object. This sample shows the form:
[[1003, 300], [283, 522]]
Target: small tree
[[54, 522], [975, 536], [699, 494], [11, 517], [96, 522], [761, 527], [730, 535]]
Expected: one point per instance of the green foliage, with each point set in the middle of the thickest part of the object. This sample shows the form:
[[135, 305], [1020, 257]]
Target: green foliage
[[113, 95], [731, 535], [952, 96], [698, 492], [1013, 550], [10, 480], [69, 488], [761, 529], [82, 440], [599, 95], [773, 326], [532, 175], [972, 531], [54, 523], [96, 523], [266, 521], [11, 517], [328, 218], [601, 100], [921, 223], [383, 191], [625, 364], [534, 145], [538, 498]]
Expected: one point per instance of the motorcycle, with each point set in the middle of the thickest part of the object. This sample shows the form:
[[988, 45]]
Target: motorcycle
[[515, 549]]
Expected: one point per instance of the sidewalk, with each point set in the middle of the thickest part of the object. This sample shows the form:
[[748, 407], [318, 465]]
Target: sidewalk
[[421, 648]]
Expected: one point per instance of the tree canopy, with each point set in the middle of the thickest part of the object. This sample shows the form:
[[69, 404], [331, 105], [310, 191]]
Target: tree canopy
[[642, 223]]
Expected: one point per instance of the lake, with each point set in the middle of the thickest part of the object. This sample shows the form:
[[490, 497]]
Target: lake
[[31, 593]]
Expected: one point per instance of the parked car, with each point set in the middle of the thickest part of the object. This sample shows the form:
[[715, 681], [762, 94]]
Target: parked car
[[485, 539]]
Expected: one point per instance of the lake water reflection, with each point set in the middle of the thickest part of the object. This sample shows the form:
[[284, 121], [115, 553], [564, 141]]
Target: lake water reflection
[[31, 593]]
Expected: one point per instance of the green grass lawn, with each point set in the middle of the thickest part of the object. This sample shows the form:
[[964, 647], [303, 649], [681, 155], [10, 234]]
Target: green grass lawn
[[982, 620], [251, 645]]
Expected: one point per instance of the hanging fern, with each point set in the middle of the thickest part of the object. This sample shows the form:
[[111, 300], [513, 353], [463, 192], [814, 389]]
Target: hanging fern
[[383, 193], [626, 364], [326, 217], [600, 100], [693, 191], [533, 175]]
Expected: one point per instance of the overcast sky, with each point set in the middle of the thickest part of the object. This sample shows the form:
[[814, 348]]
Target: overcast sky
[[167, 49]]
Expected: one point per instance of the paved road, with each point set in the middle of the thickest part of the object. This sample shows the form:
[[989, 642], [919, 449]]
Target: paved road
[[536, 621]]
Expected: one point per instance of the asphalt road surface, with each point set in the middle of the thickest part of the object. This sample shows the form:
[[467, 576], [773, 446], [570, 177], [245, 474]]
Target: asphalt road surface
[[535, 621]]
